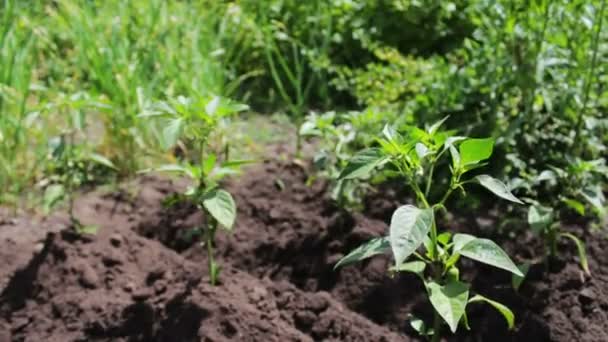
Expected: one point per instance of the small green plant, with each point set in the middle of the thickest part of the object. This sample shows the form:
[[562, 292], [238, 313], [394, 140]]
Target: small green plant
[[339, 135], [336, 135], [580, 189], [71, 166], [196, 121], [545, 222], [412, 228], [71, 161]]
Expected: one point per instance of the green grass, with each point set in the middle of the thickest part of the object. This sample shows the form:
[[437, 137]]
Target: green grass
[[91, 66]]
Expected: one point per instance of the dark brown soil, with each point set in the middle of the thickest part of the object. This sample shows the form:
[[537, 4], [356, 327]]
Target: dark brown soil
[[144, 278]]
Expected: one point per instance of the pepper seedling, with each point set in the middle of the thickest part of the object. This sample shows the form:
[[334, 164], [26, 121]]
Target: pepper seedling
[[336, 135], [414, 239], [70, 167], [71, 159], [197, 120], [579, 185]]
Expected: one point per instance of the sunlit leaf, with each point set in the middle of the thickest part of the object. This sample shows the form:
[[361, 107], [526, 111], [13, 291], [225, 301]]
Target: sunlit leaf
[[594, 196], [475, 150], [582, 254], [416, 267], [517, 280], [52, 195], [575, 205], [171, 168], [497, 187], [408, 229], [362, 163], [221, 206], [209, 163], [373, 247], [420, 327], [485, 251], [449, 301], [502, 309], [540, 218], [434, 127], [171, 132], [99, 159], [213, 105]]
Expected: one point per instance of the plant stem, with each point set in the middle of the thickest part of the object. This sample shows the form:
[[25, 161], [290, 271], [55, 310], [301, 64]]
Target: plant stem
[[209, 238], [429, 179], [436, 327], [226, 152], [552, 244], [446, 196], [298, 144]]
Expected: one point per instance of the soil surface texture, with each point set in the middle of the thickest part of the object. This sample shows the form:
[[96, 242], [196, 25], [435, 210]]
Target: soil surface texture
[[143, 276]]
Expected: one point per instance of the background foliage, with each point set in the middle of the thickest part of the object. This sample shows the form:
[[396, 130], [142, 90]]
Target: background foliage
[[532, 74]]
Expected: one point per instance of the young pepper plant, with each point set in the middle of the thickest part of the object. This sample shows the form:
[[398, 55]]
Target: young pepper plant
[[197, 120], [70, 167], [580, 188], [337, 137], [71, 159], [414, 228]]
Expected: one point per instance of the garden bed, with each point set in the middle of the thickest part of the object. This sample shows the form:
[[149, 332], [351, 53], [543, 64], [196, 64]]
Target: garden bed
[[142, 278]]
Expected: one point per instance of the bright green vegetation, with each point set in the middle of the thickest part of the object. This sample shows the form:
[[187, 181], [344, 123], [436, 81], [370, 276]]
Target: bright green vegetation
[[92, 92], [415, 155], [200, 123]]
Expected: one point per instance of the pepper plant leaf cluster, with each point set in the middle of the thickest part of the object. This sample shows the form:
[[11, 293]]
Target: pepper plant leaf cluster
[[414, 239], [197, 120]]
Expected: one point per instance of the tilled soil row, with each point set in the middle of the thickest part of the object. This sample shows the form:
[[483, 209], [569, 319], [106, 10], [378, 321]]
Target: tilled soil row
[[143, 276]]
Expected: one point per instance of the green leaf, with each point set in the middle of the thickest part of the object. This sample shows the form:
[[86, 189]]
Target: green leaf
[[373, 247], [444, 238], [221, 206], [460, 240], [52, 195], [473, 151], [101, 160], [595, 196], [422, 151], [220, 172], [434, 127], [449, 301], [497, 187], [238, 163], [517, 280], [362, 163], [465, 321], [502, 309], [416, 267], [540, 218], [171, 132], [420, 327], [575, 205], [485, 251], [409, 227], [309, 128], [455, 158], [209, 163], [171, 168], [390, 133], [580, 246], [212, 106]]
